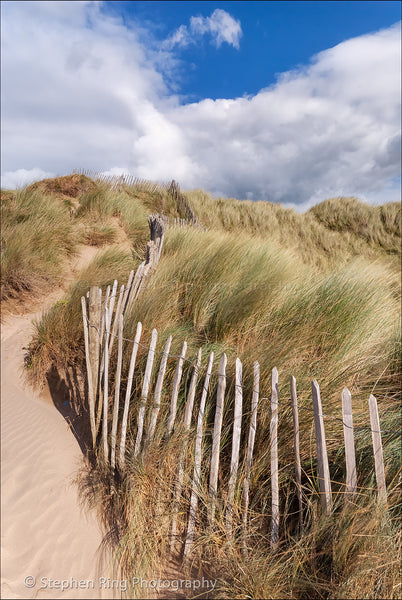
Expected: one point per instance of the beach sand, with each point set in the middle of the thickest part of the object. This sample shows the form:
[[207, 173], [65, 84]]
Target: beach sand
[[45, 535]]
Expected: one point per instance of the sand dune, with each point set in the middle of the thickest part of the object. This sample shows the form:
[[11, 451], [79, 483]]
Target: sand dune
[[44, 533]]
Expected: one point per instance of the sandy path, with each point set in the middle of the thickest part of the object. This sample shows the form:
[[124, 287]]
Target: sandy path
[[44, 533]]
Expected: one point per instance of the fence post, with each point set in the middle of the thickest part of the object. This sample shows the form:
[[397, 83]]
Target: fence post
[[234, 462], [350, 459], [187, 423], [145, 390], [322, 457], [296, 434], [116, 318], [128, 394], [175, 391], [250, 446], [274, 459], [94, 333], [216, 439], [158, 392], [377, 449], [116, 395], [106, 387], [191, 391], [197, 463], [91, 398]]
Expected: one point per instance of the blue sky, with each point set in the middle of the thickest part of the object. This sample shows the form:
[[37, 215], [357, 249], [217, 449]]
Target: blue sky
[[276, 36], [289, 102]]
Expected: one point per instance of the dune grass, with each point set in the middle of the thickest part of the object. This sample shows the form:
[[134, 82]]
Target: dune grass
[[315, 297], [37, 237], [320, 236]]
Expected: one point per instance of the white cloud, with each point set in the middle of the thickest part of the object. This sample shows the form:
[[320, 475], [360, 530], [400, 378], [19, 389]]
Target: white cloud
[[221, 26], [81, 90], [21, 177]]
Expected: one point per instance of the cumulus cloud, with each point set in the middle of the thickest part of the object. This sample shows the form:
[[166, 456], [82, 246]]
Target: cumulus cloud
[[221, 27], [21, 177], [80, 89]]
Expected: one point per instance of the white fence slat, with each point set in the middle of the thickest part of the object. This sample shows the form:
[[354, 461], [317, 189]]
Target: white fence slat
[[296, 437], [116, 395], [348, 433], [128, 394], [216, 439], [377, 449], [251, 440], [91, 399], [175, 391], [158, 392], [274, 459], [187, 423], [234, 461], [145, 390], [197, 462], [106, 388], [322, 457]]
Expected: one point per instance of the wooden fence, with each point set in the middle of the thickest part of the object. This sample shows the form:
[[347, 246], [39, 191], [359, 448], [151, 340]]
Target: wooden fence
[[104, 324]]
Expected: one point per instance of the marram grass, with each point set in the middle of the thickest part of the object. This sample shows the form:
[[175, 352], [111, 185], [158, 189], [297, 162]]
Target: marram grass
[[318, 296]]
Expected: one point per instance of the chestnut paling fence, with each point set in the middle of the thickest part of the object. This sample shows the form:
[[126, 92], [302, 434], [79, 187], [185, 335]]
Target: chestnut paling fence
[[104, 325], [103, 320]]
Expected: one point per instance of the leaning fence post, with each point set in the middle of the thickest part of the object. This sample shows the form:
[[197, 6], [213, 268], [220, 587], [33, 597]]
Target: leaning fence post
[[128, 394], [322, 457], [216, 439], [175, 391], [197, 462], [187, 423], [116, 395], [274, 458], [91, 399], [158, 392], [94, 333], [250, 444], [116, 318], [234, 463], [106, 387], [377, 449], [296, 434], [347, 418], [145, 390]]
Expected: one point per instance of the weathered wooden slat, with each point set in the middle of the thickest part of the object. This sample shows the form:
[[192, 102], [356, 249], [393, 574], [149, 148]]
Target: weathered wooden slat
[[93, 333], [234, 462], [175, 391], [145, 390], [250, 443], [91, 399], [158, 393], [196, 484], [128, 394], [116, 395], [348, 433], [113, 295], [377, 449], [127, 291], [322, 457], [191, 392], [274, 459], [116, 318], [180, 475], [296, 438], [135, 286], [106, 389], [216, 439], [102, 328]]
